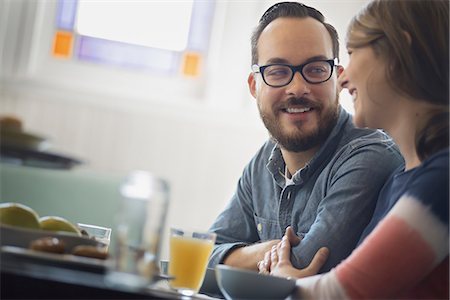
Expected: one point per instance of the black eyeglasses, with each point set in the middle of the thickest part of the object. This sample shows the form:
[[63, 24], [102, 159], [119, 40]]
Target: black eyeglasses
[[278, 75]]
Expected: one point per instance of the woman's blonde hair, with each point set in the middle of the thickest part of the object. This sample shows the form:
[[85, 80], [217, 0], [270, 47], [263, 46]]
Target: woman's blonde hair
[[412, 37]]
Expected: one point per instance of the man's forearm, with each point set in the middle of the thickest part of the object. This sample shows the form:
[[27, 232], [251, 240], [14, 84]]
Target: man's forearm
[[247, 257]]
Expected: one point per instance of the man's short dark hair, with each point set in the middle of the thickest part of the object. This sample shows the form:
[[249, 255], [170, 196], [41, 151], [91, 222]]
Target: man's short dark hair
[[291, 9]]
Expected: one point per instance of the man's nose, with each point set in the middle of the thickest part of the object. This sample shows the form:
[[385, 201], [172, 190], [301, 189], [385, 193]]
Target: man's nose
[[298, 85]]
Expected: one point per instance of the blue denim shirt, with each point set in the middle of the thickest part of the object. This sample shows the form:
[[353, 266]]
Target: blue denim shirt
[[329, 203]]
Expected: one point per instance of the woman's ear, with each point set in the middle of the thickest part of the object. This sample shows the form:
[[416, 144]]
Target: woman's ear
[[407, 36], [251, 80]]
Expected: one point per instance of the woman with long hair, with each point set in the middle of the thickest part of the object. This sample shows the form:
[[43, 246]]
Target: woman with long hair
[[398, 76]]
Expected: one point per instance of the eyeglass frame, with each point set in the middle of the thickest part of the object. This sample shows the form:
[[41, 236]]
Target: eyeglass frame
[[299, 68]]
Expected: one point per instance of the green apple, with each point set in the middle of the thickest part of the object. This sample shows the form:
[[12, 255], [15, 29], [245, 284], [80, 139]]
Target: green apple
[[16, 214], [52, 223]]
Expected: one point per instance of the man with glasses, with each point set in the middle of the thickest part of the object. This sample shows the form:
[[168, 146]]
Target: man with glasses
[[317, 173]]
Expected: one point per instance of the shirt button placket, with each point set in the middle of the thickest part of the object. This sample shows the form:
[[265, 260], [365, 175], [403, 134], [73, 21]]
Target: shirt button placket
[[284, 214]]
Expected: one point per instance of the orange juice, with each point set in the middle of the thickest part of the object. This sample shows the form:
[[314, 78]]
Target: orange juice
[[188, 261]]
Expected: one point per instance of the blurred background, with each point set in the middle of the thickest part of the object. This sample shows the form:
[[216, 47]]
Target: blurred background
[[131, 85]]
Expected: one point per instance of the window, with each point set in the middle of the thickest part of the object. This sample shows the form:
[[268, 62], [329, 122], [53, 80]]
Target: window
[[164, 37]]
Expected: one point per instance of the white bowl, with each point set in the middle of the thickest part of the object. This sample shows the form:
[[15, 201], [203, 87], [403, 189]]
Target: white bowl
[[243, 284], [209, 286]]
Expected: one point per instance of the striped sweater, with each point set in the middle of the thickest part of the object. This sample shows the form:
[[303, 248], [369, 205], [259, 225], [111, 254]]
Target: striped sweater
[[405, 253]]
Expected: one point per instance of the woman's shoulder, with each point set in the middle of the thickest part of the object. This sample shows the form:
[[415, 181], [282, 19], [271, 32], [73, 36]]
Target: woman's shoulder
[[433, 169], [440, 159], [429, 184]]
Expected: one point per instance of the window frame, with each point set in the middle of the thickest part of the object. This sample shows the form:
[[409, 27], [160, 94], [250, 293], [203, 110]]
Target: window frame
[[33, 63]]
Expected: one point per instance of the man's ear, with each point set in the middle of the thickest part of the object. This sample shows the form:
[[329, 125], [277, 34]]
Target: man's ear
[[339, 70], [251, 80]]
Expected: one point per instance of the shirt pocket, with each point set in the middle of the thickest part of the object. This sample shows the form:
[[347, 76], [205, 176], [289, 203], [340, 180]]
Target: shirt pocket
[[267, 229]]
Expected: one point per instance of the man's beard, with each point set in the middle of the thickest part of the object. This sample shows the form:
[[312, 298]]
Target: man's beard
[[299, 140]]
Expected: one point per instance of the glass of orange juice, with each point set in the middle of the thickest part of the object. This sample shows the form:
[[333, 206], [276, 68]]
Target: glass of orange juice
[[189, 254]]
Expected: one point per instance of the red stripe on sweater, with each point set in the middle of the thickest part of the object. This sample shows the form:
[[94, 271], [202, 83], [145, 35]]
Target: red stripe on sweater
[[403, 261]]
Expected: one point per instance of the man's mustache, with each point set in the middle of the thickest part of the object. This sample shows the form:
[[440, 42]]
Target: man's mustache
[[294, 101]]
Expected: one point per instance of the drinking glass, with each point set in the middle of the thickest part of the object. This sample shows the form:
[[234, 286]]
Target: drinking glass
[[99, 233], [189, 254], [140, 224]]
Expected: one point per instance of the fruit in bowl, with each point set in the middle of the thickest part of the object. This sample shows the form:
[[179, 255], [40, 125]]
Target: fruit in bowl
[[53, 223], [19, 215], [20, 226]]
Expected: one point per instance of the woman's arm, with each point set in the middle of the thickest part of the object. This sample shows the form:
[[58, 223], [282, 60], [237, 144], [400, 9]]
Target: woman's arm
[[395, 258], [403, 249]]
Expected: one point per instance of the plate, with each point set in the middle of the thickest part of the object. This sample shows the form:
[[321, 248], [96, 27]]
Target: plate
[[16, 255], [22, 237], [35, 158]]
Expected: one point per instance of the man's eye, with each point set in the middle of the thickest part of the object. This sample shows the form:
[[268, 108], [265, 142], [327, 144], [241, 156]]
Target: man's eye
[[316, 70], [277, 72]]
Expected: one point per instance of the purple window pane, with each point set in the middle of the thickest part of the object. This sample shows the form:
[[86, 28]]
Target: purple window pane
[[127, 55], [201, 23], [67, 10]]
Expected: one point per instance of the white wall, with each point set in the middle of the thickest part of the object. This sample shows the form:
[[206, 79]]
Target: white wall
[[199, 143]]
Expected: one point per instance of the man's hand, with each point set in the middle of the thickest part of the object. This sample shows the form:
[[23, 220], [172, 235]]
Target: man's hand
[[264, 266], [249, 256], [277, 261]]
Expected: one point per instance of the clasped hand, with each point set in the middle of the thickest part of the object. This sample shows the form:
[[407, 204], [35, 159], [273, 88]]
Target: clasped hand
[[277, 261]]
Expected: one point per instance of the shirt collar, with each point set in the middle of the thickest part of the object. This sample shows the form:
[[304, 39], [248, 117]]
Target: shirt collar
[[276, 165]]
